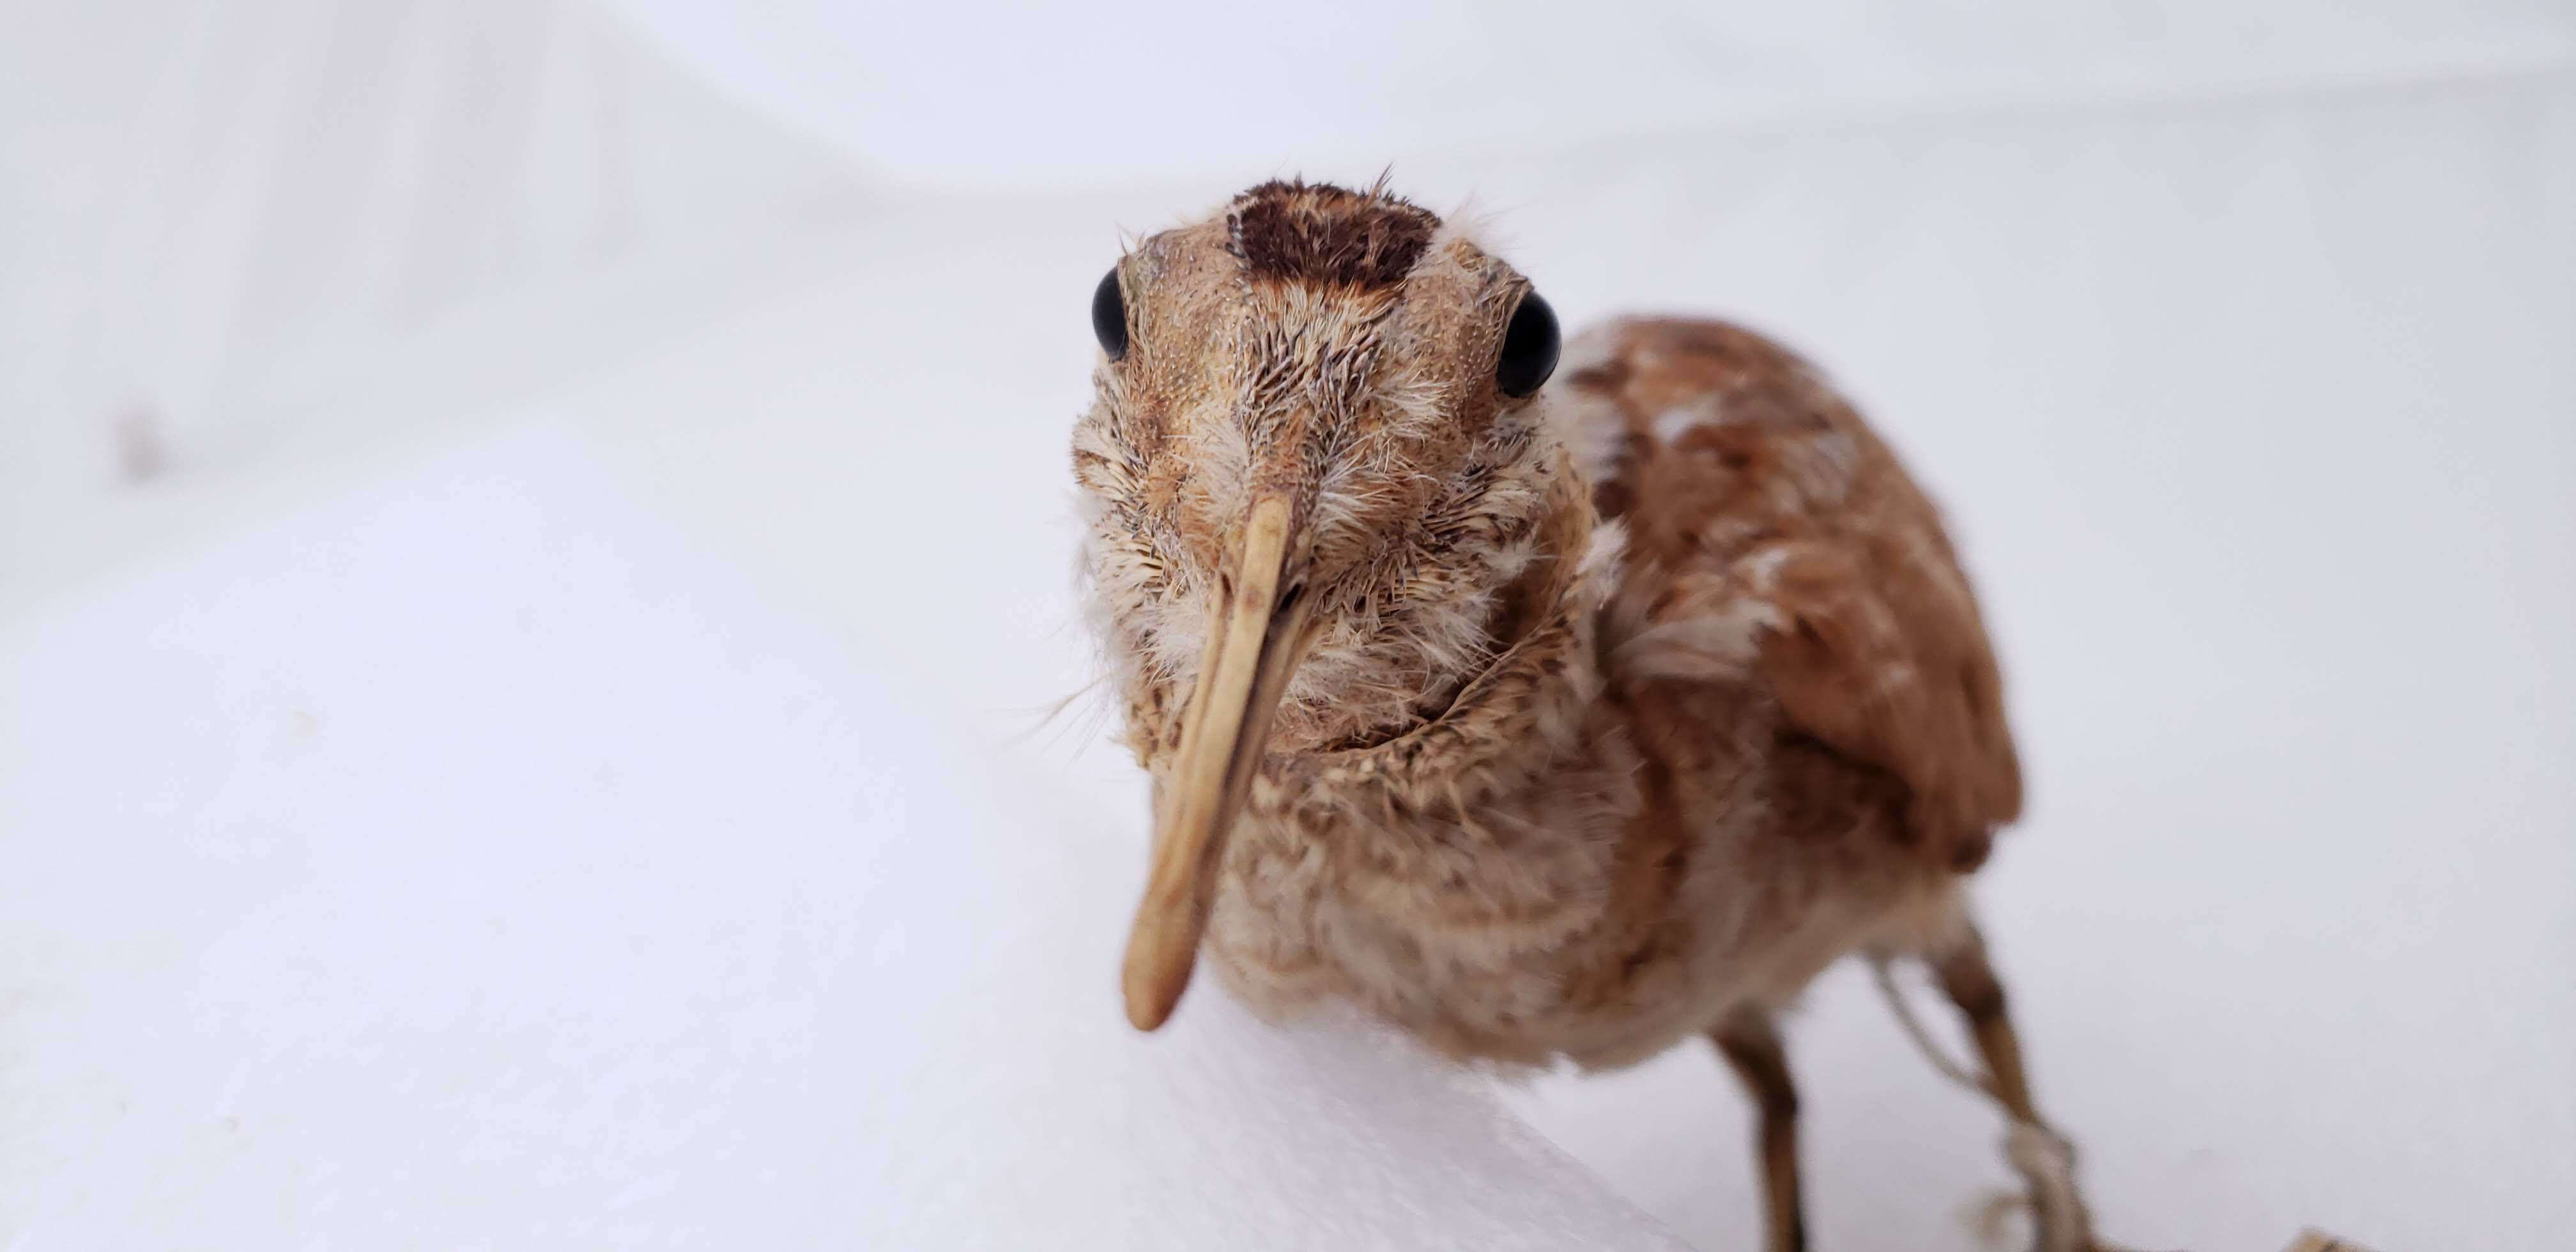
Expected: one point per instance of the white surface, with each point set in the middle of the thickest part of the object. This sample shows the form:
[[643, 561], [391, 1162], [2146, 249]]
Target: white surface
[[466, 863], [2254, 415], [1035, 97]]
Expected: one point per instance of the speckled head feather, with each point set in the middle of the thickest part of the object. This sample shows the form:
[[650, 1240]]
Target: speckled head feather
[[1336, 347]]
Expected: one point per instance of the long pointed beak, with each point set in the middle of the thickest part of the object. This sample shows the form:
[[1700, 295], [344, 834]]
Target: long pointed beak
[[1252, 645]]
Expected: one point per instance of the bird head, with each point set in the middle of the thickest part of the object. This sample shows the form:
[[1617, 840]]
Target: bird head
[[1315, 476]]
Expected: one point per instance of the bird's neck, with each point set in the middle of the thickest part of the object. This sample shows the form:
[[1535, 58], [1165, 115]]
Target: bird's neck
[[1513, 721], [1519, 716]]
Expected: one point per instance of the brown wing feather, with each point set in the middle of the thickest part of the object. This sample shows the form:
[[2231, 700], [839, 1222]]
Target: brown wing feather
[[1773, 537]]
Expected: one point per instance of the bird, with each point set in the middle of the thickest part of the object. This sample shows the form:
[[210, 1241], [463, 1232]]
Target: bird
[[1546, 715]]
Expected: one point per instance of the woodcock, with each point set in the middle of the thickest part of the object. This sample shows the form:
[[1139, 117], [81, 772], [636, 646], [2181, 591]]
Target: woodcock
[[1541, 723]]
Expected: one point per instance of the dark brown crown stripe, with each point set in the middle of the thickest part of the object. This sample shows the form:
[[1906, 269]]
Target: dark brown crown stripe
[[1328, 236]]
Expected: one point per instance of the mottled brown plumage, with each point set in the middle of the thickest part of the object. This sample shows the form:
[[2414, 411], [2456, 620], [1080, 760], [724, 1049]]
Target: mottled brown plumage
[[1568, 726]]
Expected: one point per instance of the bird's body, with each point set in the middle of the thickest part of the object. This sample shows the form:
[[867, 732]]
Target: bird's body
[[1562, 724], [1684, 784]]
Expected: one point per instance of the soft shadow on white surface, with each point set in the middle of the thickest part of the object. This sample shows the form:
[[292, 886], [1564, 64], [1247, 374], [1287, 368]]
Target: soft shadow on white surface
[[244, 229]]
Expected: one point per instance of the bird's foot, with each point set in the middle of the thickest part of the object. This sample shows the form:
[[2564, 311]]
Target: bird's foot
[[2046, 1162]]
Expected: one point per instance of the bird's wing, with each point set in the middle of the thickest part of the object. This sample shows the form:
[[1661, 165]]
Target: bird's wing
[[1774, 540]]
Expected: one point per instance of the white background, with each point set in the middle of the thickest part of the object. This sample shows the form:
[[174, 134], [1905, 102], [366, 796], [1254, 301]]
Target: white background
[[2236, 339]]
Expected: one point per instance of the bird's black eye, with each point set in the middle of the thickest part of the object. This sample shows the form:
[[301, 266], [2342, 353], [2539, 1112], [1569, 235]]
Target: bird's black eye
[[1529, 348], [1109, 315]]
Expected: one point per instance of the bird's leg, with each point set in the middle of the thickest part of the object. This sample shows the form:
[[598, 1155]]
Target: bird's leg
[[1751, 1046], [2043, 1156], [1968, 978]]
